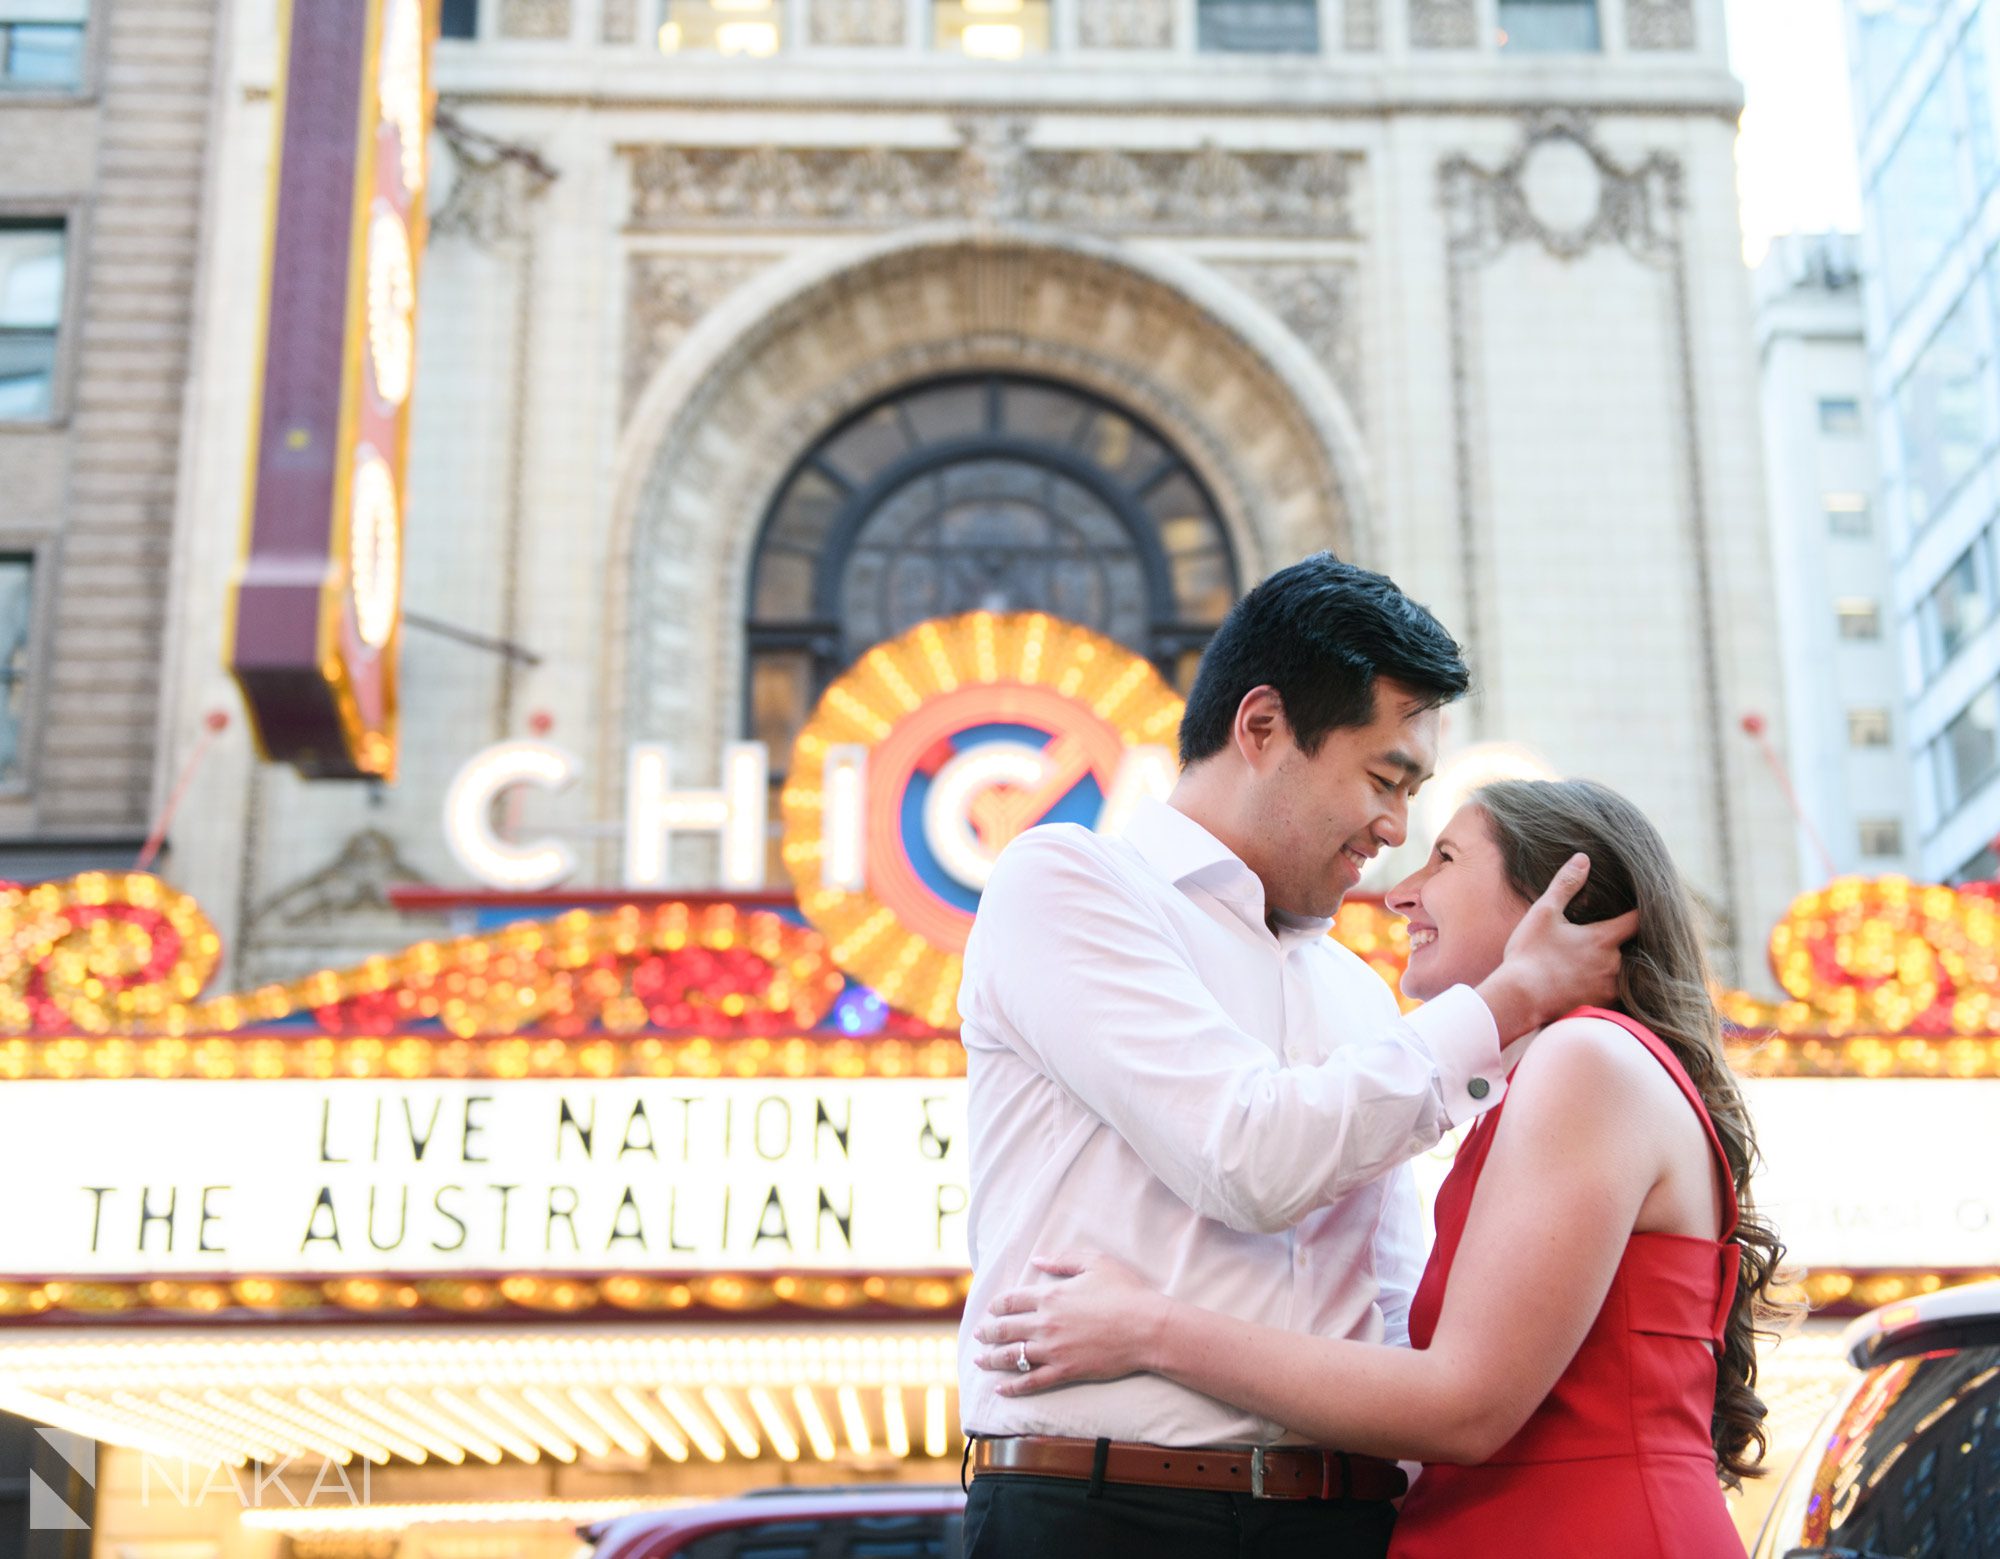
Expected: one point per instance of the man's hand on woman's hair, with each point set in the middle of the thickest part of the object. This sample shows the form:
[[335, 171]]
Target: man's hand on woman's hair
[[1552, 965]]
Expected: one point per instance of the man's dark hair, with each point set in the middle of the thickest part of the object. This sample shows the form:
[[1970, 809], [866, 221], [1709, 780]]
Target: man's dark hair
[[1320, 632]]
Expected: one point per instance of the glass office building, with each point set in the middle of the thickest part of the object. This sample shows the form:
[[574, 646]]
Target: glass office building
[[1924, 84]]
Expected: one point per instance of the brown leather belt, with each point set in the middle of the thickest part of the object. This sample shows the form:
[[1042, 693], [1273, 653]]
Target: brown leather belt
[[1263, 1472]]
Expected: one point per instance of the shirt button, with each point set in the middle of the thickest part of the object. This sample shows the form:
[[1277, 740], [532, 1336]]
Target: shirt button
[[1479, 1088]]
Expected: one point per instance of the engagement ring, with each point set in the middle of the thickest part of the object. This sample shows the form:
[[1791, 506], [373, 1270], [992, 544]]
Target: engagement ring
[[1021, 1360]]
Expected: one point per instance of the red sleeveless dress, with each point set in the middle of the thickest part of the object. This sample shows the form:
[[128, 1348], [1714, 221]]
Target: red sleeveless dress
[[1616, 1463]]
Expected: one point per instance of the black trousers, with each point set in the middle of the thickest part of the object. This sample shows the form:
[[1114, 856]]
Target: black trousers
[[1015, 1516]]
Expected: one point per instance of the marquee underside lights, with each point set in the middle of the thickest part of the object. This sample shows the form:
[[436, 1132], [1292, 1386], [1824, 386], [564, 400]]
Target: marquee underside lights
[[774, 1396], [314, 639], [929, 755]]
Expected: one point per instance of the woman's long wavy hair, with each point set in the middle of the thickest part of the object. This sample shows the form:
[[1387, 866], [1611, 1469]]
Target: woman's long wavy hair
[[1663, 984]]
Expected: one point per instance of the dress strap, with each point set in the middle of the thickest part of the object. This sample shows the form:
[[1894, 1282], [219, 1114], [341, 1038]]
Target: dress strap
[[1664, 1054]]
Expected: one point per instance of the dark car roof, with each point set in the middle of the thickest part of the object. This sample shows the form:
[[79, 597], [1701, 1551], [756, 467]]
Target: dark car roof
[[645, 1532], [1966, 1316]]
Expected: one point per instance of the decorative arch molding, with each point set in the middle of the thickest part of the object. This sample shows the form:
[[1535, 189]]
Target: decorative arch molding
[[799, 345]]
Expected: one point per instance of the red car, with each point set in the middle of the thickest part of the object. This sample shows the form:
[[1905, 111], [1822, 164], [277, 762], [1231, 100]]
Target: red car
[[877, 1521]]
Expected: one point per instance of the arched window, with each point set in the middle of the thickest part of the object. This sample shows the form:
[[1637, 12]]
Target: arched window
[[994, 491]]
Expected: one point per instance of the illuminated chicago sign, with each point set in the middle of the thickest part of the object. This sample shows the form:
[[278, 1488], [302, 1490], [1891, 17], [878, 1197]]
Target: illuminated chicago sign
[[915, 770], [318, 602]]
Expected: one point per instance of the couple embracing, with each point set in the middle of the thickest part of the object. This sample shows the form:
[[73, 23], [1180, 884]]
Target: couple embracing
[[1202, 1323]]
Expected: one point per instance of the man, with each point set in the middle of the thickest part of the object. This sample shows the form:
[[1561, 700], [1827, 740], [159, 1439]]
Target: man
[[1171, 1061]]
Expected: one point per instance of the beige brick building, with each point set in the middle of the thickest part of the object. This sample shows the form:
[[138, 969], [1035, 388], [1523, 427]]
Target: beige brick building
[[106, 108], [1451, 286]]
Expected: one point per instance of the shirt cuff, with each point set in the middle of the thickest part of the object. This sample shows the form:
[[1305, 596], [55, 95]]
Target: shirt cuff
[[1464, 1041]]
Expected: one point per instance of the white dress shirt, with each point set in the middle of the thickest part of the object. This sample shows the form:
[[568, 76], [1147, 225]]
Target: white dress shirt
[[1155, 1073]]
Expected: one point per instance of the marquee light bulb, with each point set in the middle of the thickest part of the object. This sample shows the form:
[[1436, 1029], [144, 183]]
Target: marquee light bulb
[[400, 85], [392, 304], [375, 548]]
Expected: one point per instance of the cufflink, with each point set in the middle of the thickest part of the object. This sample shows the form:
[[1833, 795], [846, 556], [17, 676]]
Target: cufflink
[[1479, 1088]]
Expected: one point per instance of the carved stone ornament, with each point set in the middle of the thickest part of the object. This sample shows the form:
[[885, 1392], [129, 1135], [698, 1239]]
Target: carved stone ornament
[[1317, 302], [492, 184], [1562, 190], [993, 175], [1659, 24], [1125, 24], [534, 19], [665, 295], [857, 24], [358, 879], [619, 21], [1444, 24]]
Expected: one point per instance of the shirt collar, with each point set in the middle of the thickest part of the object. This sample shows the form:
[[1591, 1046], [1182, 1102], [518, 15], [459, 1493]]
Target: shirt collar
[[1181, 851]]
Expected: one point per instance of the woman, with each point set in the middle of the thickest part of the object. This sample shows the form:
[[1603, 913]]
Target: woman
[[1579, 1381]]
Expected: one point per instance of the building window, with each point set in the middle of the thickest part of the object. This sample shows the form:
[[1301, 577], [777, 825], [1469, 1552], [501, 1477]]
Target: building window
[[1880, 837], [1921, 200], [17, 604], [991, 29], [1840, 416], [1982, 866], [996, 492], [41, 45], [31, 300], [458, 19], [1868, 728], [1258, 26], [743, 27], [1858, 618], [1945, 409], [1549, 26], [1959, 605], [1847, 515], [1967, 751]]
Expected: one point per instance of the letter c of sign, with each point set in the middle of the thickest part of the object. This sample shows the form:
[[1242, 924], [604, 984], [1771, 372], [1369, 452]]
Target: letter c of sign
[[948, 807], [468, 822]]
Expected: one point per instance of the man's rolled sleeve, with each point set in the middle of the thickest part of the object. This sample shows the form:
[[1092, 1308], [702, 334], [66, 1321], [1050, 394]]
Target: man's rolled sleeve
[[1464, 1043]]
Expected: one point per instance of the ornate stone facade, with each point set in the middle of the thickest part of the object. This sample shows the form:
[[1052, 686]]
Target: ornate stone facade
[[493, 184], [993, 176], [1126, 24], [858, 24], [1563, 191], [534, 18], [665, 295], [1269, 448], [1248, 254], [1444, 24], [1317, 300], [1659, 24]]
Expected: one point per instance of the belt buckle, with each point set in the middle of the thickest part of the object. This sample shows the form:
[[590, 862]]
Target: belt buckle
[[1257, 1473]]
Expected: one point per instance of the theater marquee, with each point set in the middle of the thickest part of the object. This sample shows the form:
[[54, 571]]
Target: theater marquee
[[279, 1178]]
